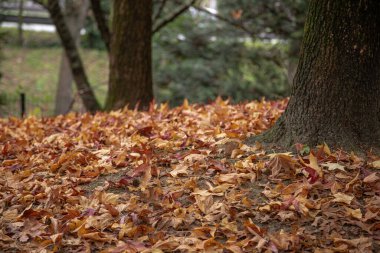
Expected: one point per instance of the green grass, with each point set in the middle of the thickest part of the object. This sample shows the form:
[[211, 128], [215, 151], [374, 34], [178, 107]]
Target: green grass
[[32, 39], [35, 72]]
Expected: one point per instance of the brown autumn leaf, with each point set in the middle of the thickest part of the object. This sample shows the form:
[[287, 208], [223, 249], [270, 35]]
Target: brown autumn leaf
[[164, 180], [282, 165], [362, 244]]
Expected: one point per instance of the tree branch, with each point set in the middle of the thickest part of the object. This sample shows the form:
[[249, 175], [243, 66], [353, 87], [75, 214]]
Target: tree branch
[[226, 20], [40, 2], [172, 17], [159, 12], [101, 23]]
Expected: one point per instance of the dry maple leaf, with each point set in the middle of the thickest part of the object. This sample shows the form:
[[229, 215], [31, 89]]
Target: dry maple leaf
[[282, 165]]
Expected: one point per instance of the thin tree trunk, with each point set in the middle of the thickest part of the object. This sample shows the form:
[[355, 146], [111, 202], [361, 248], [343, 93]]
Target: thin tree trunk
[[75, 15], [79, 74], [292, 61], [101, 22], [336, 90], [20, 22], [131, 55]]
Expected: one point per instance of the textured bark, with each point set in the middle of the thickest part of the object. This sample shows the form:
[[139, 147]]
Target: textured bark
[[336, 90], [84, 89], [130, 80], [75, 15], [101, 23]]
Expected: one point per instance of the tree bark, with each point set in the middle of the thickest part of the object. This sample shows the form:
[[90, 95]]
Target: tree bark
[[75, 15], [101, 23], [79, 74], [130, 80], [20, 23], [336, 90]]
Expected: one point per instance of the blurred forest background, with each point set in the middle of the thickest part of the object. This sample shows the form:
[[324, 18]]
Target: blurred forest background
[[241, 49]]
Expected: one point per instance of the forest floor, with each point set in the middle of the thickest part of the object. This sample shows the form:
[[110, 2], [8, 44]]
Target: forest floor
[[179, 180]]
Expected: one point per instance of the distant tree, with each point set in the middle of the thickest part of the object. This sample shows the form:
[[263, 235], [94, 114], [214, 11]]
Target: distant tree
[[20, 23], [79, 74], [2, 35], [75, 12], [130, 50], [336, 91]]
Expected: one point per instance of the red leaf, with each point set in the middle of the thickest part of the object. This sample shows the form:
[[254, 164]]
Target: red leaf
[[313, 175]]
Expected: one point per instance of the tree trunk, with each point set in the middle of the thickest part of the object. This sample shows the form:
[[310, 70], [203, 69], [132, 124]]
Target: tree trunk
[[75, 15], [292, 59], [130, 81], [101, 22], [77, 69], [20, 23], [336, 91]]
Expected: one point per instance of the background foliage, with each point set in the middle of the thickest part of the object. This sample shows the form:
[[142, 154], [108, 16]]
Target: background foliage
[[248, 50]]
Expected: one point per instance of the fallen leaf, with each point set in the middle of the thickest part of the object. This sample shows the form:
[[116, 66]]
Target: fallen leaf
[[343, 198], [356, 213], [372, 178], [333, 166], [375, 164]]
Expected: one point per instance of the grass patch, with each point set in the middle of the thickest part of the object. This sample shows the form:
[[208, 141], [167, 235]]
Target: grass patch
[[35, 72]]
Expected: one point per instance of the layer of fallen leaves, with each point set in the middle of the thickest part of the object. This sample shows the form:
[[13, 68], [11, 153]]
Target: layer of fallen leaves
[[179, 180]]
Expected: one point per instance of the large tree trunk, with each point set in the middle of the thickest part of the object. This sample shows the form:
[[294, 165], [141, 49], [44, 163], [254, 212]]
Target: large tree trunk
[[79, 74], [130, 81], [75, 15], [336, 91]]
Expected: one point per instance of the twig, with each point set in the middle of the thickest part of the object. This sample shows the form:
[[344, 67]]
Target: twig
[[160, 9], [226, 20], [172, 17]]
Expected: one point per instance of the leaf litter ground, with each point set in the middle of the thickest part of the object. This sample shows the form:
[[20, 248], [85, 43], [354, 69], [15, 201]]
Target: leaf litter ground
[[179, 180]]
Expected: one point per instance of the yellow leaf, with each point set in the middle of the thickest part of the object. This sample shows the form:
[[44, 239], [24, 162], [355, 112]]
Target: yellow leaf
[[356, 213], [233, 178], [333, 166], [194, 158], [97, 236], [204, 193], [265, 208], [180, 169], [185, 104], [325, 148], [314, 165], [220, 188], [375, 164], [204, 203], [343, 198]]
